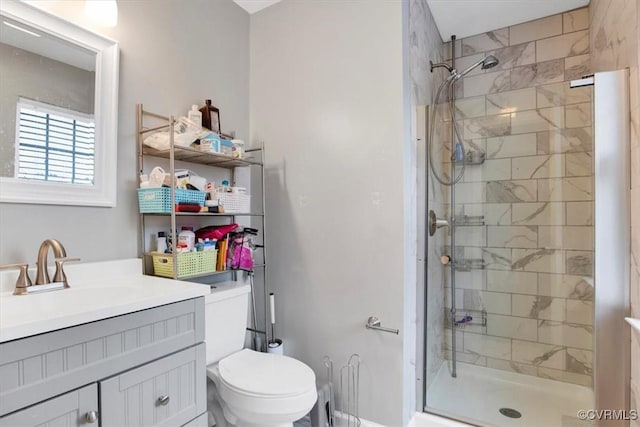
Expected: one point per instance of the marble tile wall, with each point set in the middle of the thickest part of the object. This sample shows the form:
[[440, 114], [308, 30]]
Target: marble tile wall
[[615, 41], [535, 190]]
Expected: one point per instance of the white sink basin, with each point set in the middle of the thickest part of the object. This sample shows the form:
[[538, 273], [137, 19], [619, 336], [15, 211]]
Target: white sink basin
[[120, 289]]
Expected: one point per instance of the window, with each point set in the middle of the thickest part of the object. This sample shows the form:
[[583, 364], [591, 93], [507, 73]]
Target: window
[[54, 144]]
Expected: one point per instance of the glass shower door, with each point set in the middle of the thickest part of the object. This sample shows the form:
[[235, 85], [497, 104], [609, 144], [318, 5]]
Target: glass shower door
[[522, 276]]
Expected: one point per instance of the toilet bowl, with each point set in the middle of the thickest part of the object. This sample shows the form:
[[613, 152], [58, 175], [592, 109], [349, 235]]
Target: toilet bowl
[[260, 389], [250, 388]]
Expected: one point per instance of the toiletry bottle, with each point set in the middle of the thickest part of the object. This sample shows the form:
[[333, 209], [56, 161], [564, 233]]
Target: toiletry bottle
[[186, 239], [195, 115], [207, 112], [459, 156], [161, 242]]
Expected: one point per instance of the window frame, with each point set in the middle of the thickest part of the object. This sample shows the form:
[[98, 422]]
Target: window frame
[[45, 111]]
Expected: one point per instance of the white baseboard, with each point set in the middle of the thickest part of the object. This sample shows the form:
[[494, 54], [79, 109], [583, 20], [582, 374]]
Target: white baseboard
[[363, 423]]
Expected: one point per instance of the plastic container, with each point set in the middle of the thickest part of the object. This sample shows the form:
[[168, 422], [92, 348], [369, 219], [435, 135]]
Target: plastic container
[[235, 203], [195, 115], [161, 242], [226, 147], [189, 264], [158, 200], [186, 240], [237, 149]]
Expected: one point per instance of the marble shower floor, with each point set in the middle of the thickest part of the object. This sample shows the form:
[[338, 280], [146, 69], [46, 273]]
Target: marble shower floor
[[478, 393]]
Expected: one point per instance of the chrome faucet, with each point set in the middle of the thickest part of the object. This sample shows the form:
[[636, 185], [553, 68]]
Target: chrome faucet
[[42, 276]]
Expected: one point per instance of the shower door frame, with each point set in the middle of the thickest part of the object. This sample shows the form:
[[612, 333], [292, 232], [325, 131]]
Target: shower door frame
[[612, 225]]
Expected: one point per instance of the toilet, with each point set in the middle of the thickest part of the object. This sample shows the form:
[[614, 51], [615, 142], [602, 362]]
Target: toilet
[[249, 388]]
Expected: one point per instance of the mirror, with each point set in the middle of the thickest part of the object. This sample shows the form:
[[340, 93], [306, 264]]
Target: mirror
[[58, 110]]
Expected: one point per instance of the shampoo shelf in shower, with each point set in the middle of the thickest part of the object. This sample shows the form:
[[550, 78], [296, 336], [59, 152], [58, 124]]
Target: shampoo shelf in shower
[[475, 157], [469, 264], [469, 220], [469, 318]]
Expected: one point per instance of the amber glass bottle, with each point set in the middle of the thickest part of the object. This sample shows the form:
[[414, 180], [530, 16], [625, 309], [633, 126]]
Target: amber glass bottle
[[210, 117]]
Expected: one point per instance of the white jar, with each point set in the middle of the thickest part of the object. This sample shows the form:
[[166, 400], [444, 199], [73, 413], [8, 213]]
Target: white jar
[[237, 150], [186, 240]]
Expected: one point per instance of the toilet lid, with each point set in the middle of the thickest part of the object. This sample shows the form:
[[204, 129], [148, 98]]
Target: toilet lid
[[266, 374]]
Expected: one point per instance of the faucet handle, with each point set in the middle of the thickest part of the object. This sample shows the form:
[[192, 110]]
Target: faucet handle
[[23, 281], [60, 276]]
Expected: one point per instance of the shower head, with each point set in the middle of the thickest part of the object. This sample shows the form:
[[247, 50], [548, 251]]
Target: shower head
[[487, 62]]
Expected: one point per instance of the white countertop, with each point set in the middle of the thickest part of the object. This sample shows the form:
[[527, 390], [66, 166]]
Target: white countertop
[[97, 291]]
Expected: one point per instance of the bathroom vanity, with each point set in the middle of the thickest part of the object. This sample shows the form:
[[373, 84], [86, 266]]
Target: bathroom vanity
[[125, 349]]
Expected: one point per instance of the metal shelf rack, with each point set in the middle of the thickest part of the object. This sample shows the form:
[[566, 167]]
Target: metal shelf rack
[[253, 157]]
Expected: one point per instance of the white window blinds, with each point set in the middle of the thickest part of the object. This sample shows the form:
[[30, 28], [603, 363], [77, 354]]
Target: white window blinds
[[54, 144]]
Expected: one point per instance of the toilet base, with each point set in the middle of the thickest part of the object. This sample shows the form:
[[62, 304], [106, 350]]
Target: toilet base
[[221, 418], [214, 407]]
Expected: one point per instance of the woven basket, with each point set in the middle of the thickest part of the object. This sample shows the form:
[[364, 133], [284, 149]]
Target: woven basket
[[189, 263], [235, 203], [158, 200]]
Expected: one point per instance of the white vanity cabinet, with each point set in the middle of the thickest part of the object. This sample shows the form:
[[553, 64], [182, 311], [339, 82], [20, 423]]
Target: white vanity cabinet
[[145, 368]]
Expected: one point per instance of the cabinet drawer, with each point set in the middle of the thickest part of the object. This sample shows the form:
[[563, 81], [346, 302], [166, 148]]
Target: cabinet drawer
[[68, 410], [168, 392]]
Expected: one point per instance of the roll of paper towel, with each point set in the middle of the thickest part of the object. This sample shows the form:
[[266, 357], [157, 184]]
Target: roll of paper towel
[[276, 347]]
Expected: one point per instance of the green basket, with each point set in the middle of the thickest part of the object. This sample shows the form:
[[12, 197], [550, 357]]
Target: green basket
[[158, 199], [189, 263]]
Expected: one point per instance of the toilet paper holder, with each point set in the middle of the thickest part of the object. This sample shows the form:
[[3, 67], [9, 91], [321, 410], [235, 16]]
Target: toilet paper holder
[[374, 323]]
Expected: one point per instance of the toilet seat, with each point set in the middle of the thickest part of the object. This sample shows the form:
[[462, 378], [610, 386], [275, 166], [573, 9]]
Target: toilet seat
[[265, 375]]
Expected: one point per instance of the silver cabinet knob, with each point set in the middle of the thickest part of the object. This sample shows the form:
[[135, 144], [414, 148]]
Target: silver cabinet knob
[[91, 417], [163, 400]]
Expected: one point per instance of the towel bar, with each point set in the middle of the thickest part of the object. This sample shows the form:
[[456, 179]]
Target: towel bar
[[374, 323]]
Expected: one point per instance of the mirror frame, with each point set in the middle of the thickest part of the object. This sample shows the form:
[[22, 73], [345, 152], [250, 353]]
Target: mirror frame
[[103, 191]]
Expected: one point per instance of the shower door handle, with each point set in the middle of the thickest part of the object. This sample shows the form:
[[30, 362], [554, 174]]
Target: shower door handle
[[435, 223]]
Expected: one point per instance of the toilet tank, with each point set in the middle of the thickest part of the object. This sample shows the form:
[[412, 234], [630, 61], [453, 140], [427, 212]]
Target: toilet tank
[[225, 313]]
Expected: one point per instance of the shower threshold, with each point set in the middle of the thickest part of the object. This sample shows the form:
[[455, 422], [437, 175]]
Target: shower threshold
[[478, 394]]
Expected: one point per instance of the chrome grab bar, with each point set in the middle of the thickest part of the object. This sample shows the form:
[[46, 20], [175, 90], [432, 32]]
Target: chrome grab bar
[[374, 323]]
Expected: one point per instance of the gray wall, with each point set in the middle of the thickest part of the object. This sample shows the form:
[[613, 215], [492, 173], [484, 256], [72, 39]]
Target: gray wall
[[29, 75], [171, 56], [327, 98]]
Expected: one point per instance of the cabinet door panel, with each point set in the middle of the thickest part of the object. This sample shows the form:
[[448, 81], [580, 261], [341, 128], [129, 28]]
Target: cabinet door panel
[[67, 410], [201, 421], [168, 392]]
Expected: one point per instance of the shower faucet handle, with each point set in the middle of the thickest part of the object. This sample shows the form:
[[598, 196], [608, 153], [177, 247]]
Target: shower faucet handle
[[435, 223]]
